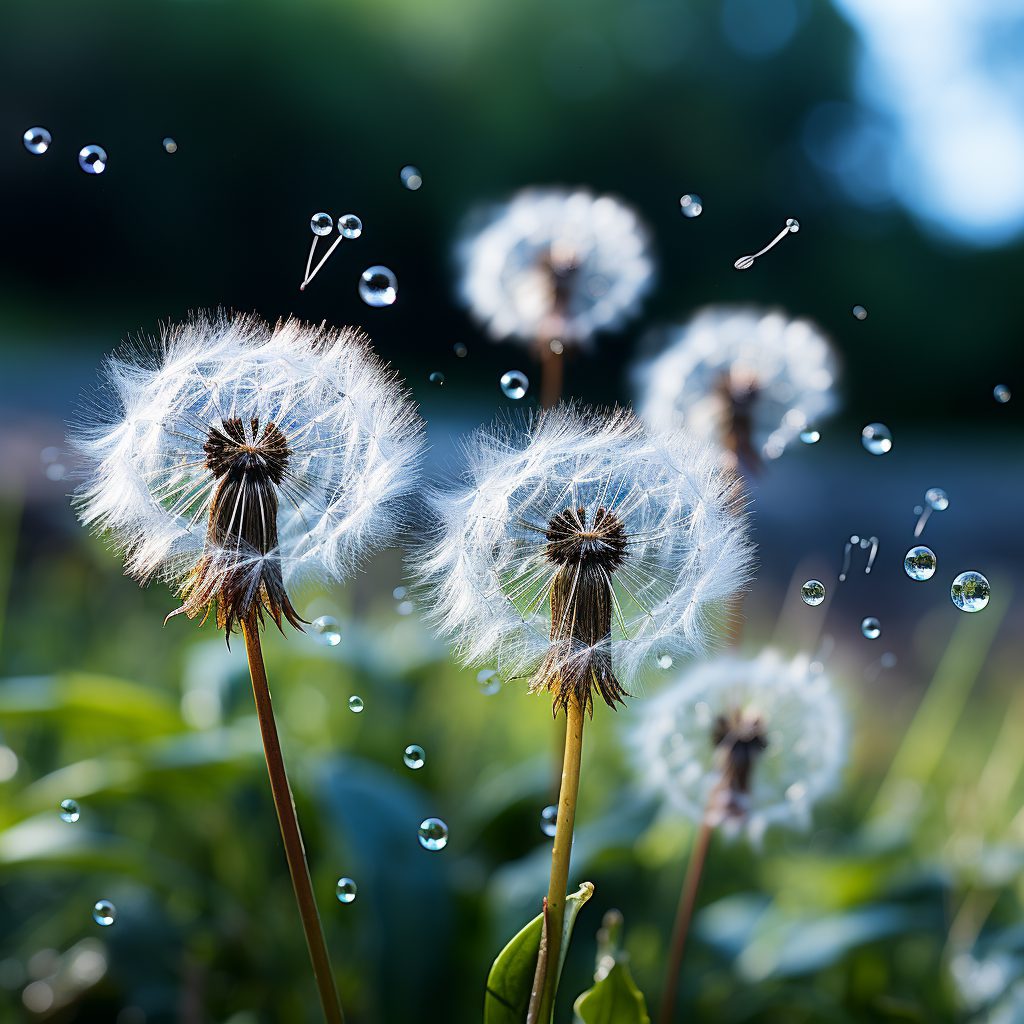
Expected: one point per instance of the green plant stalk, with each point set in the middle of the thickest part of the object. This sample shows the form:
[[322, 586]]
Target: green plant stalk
[[294, 849], [560, 855]]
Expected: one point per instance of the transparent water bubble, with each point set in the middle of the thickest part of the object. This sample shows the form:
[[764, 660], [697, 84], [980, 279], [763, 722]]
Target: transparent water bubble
[[437, 378], [460, 350], [326, 630], [411, 177], [793, 224], [665, 661], [170, 146], [887, 660], [489, 682], [810, 436], [970, 591], [919, 563], [860, 312], [349, 225], [378, 287], [1001, 393], [345, 889], [514, 383], [92, 159], [414, 757], [691, 205], [404, 607], [871, 628], [937, 498], [812, 593], [549, 819], [321, 224], [433, 834], [104, 913], [556, 346], [37, 140], [355, 704], [70, 811], [876, 438]]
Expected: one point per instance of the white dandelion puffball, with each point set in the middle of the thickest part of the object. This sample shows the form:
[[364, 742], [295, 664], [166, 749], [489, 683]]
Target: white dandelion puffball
[[741, 376], [777, 718], [235, 458], [555, 264], [580, 546]]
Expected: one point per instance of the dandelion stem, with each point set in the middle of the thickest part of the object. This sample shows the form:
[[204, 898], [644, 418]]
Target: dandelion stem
[[544, 992], [684, 914], [287, 819], [550, 374]]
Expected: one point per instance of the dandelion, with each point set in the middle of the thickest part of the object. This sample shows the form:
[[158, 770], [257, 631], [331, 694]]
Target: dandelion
[[553, 267], [749, 379], [739, 744], [575, 553], [236, 460]]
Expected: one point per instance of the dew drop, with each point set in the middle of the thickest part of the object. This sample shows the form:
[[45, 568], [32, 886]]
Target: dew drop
[[37, 140], [404, 607], [812, 593], [871, 628], [514, 383], [327, 630], [345, 890], [556, 346], [488, 681], [414, 757], [876, 438], [349, 225], [411, 177], [664, 661], [460, 350], [355, 704], [1001, 393], [170, 146], [810, 436], [691, 205], [400, 593], [920, 563], [104, 913], [321, 224], [437, 378], [793, 224], [70, 811], [549, 819], [92, 159], [378, 287], [433, 834], [970, 591], [860, 312], [937, 498]]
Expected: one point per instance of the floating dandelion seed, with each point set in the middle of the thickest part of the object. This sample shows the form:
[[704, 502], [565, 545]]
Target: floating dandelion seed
[[791, 228], [749, 379], [935, 500], [863, 543]]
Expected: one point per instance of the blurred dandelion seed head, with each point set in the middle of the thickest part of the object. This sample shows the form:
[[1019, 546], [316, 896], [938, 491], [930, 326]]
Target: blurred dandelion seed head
[[747, 742], [746, 378], [235, 459], [553, 263], [579, 548]]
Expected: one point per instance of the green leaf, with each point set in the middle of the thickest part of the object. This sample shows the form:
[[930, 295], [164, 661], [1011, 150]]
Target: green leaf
[[614, 999], [511, 979]]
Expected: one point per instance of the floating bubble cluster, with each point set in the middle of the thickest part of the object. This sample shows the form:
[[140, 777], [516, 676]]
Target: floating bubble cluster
[[691, 205]]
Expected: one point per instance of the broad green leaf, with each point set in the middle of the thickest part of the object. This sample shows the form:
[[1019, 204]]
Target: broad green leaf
[[614, 999], [511, 979]]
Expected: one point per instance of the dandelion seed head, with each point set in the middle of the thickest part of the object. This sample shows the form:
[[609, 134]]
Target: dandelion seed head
[[746, 378], [555, 264], [748, 742], [579, 546]]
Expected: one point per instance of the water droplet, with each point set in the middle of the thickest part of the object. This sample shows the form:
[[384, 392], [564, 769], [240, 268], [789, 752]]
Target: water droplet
[[37, 140], [813, 593], [488, 681], [433, 834], [414, 757], [378, 287], [860, 312], [404, 607], [460, 350], [549, 819], [92, 159], [887, 660], [810, 436], [664, 661], [321, 224], [437, 378], [1001, 393], [411, 177], [327, 630], [871, 628], [170, 146], [919, 563], [556, 346], [104, 913], [876, 438], [355, 704], [793, 224], [970, 591], [514, 383], [937, 498], [399, 593], [691, 205], [345, 890], [70, 811], [349, 225]]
